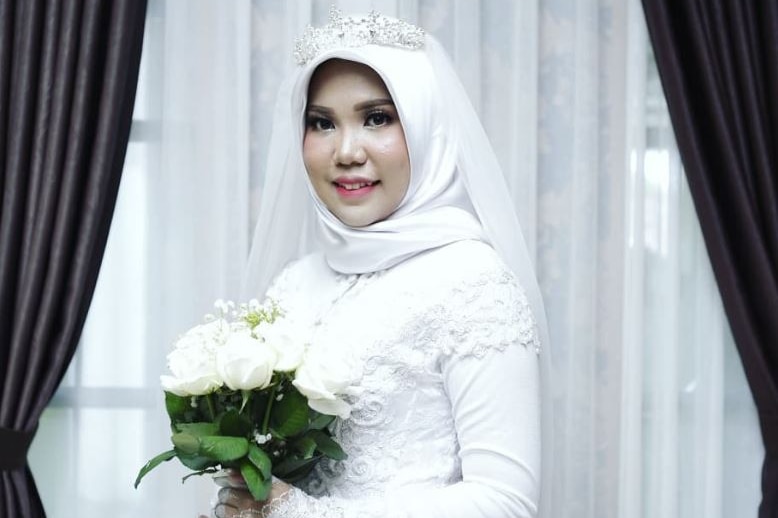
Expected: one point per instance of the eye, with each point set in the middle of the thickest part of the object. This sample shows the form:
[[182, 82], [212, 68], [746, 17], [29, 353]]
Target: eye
[[377, 118], [318, 123]]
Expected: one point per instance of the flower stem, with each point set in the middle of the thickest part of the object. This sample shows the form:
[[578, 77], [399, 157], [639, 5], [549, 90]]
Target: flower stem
[[211, 410], [269, 406], [245, 397]]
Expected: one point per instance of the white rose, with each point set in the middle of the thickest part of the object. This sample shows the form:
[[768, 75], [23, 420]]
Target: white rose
[[245, 363], [324, 379], [193, 369], [288, 344], [208, 336]]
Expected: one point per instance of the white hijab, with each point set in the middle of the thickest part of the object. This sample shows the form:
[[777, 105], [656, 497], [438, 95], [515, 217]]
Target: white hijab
[[436, 209], [457, 190]]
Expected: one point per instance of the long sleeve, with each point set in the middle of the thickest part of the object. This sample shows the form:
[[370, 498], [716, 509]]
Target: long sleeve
[[496, 406]]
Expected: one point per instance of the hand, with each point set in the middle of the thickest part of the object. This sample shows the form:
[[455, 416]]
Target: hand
[[236, 502]]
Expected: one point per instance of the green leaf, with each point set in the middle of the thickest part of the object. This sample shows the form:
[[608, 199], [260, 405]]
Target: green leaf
[[223, 448], [196, 462], [176, 406], [320, 421], [259, 487], [291, 469], [327, 445], [290, 415], [260, 459], [153, 463], [306, 446], [198, 429], [234, 424], [185, 443]]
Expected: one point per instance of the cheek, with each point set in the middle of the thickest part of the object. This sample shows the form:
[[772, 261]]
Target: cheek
[[394, 150], [314, 153], [396, 153]]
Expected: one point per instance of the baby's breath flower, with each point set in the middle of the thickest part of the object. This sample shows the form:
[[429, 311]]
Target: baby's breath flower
[[262, 439]]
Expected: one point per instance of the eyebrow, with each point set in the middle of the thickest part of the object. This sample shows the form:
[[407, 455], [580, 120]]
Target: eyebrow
[[372, 104], [366, 105]]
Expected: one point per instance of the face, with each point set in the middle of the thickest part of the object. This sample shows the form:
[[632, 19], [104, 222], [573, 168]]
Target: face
[[354, 147]]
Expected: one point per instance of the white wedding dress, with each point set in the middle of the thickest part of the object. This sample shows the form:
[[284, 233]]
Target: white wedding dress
[[447, 421]]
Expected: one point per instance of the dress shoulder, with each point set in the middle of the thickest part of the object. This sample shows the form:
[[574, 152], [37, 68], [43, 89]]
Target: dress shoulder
[[479, 305]]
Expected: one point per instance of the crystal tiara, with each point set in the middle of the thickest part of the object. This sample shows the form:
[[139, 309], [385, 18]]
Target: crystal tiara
[[356, 31]]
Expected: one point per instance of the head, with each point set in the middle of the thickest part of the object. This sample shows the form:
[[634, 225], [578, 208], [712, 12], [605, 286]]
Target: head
[[354, 146], [377, 145]]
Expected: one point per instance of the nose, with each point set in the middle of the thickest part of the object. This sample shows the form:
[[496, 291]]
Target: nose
[[350, 149]]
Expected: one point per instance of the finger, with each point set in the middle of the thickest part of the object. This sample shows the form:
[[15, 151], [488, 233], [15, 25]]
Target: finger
[[224, 511], [229, 478], [230, 496], [235, 497], [228, 511]]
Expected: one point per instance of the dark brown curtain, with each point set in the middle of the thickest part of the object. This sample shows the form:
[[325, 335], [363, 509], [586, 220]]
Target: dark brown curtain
[[68, 73], [718, 61]]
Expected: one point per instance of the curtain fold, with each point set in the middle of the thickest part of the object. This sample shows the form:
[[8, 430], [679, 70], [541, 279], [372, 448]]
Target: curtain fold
[[68, 73], [718, 61]]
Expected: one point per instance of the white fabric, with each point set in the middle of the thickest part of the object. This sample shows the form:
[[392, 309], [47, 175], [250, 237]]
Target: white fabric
[[446, 421]]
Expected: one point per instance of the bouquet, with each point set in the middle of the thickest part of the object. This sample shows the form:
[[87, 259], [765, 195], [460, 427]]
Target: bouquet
[[246, 393]]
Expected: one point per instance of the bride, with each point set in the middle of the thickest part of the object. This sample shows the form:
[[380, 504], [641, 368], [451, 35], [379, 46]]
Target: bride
[[400, 254]]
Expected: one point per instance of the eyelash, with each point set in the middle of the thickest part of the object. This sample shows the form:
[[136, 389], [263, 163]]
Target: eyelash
[[387, 119], [315, 122]]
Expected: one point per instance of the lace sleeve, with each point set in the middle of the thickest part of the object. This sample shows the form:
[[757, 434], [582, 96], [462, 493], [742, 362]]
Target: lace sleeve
[[491, 371], [486, 310]]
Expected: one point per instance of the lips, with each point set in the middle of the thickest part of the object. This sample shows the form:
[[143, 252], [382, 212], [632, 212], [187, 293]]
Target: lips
[[354, 187]]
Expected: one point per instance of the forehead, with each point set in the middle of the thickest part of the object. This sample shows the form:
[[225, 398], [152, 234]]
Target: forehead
[[343, 78]]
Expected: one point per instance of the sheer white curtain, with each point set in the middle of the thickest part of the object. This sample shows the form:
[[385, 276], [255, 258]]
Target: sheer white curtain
[[178, 241], [653, 415]]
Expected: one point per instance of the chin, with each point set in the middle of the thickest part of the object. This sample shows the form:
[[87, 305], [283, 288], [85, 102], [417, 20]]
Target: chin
[[357, 221]]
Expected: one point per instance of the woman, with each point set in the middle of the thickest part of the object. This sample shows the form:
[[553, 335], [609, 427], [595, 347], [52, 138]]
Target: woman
[[419, 277]]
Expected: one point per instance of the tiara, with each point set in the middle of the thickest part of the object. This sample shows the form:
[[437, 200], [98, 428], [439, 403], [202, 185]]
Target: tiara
[[356, 31]]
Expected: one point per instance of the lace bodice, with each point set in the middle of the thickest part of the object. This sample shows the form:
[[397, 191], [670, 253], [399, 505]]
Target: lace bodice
[[446, 419]]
